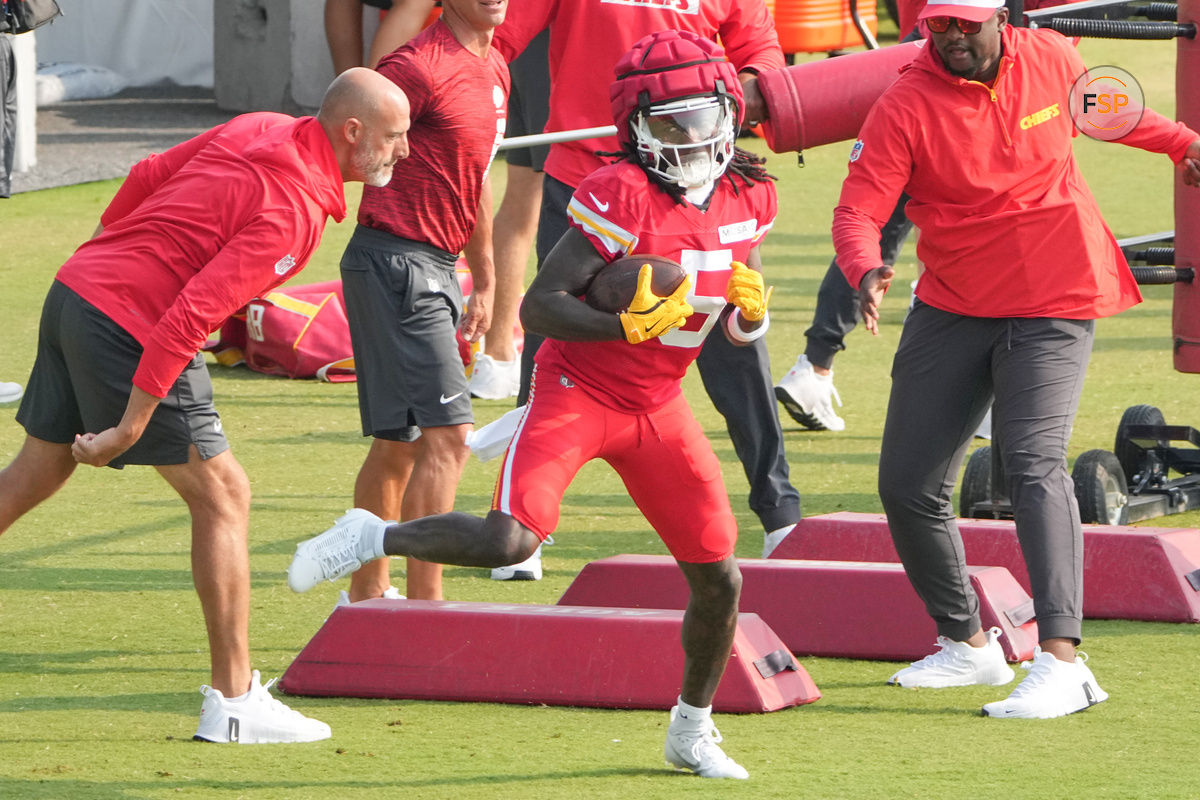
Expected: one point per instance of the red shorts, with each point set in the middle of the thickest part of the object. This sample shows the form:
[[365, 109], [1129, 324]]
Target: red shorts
[[664, 459]]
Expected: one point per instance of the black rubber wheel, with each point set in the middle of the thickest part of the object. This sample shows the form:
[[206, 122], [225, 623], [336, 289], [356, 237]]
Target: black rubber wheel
[[976, 481], [1100, 488], [1134, 459]]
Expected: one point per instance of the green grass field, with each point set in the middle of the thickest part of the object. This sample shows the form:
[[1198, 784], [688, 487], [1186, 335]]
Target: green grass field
[[104, 644]]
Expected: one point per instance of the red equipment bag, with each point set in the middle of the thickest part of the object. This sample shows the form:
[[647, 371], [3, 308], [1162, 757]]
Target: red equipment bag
[[296, 332]]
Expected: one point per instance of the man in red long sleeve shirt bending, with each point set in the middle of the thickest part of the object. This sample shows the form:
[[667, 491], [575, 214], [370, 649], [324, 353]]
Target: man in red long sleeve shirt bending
[[193, 235], [1018, 265]]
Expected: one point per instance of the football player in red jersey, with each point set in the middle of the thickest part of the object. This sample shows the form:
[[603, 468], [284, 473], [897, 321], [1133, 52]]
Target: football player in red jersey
[[608, 385]]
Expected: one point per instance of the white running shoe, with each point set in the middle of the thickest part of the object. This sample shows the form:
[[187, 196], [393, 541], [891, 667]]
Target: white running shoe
[[10, 392], [390, 593], [1052, 688], [699, 751], [258, 718], [958, 664], [494, 380], [808, 397], [771, 539], [336, 552], [528, 570]]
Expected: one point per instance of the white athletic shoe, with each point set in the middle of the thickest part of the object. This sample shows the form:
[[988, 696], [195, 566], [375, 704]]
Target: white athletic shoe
[[336, 552], [528, 570], [1052, 688], [495, 380], [958, 664], [390, 593], [771, 539], [808, 397], [699, 751], [10, 392], [258, 718]]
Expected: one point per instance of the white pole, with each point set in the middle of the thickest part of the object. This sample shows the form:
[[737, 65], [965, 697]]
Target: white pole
[[554, 137]]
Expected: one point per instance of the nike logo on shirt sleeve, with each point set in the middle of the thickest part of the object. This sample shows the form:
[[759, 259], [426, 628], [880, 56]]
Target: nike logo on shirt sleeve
[[599, 205]]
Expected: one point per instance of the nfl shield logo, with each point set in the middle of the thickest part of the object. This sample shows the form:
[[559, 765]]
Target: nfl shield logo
[[284, 264], [856, 151]]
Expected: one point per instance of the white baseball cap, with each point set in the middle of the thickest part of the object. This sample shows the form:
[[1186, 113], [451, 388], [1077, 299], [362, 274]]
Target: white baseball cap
[[972, 10]]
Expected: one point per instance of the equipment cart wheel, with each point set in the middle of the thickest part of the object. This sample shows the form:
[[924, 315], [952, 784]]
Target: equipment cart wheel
[[1100, 488], [1135, 460], [976, 482]]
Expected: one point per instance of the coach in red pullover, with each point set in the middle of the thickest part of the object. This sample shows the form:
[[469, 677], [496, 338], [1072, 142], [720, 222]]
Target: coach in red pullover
[[193, 235], [1018, 265]]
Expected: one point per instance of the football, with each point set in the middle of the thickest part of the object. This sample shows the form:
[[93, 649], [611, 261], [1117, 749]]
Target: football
[[613, 287]]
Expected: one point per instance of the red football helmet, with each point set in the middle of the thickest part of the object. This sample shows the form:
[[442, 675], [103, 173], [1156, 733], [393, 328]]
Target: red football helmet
[[678, 103]]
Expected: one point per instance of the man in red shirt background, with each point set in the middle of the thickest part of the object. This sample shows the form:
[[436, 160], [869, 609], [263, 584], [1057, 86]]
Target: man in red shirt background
[[398, 276], [1018, 266], [191, 236]]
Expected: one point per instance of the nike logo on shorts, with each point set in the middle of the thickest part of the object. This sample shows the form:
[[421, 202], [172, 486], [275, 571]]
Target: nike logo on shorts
[[444, 400]]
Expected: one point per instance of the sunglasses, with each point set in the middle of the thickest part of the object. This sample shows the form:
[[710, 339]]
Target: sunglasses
[[942, 24]]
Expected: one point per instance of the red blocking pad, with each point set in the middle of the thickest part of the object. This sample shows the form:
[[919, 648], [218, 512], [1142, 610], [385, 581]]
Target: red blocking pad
[[534, 654], [1150, 574], [819, 608]]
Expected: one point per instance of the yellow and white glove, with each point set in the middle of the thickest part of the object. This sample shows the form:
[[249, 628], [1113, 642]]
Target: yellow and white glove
[[649, 315], [745, 290]]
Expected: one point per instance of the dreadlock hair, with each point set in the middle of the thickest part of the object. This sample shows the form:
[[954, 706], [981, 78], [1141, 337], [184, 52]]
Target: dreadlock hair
[[745, 168]]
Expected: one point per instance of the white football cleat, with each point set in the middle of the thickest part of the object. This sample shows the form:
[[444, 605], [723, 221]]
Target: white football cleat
[[528, 570], [256, 718], [1052, 688], [699, 751], [338, 551], [958, 664], [808, 397]]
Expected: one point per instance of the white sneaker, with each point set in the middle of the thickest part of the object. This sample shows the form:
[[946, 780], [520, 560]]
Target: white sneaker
[[10, 392], [1052, 688], [390, 593], [808, 397], [698, 751], [494, 380], [336, 552], [771, 539], [258, 718], [528, 570], [958, 664]]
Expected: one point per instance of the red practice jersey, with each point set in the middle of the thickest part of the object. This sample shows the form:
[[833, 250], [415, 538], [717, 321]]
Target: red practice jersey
[[459, 107], [197, 232], [622, 212]]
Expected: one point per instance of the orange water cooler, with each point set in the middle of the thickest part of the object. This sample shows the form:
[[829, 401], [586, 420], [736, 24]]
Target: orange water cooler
[[818, 26]]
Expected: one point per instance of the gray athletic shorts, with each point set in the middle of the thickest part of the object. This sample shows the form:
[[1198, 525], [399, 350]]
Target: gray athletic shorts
[[82, 379], [404, 303], [529, 101]]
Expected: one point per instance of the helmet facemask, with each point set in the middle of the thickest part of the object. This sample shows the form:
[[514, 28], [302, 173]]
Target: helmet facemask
[[687, 142]]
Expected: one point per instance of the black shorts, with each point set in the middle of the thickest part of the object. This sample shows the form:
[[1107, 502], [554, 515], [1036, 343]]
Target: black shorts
[[404, 303], [529, 101], [82, 379]]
